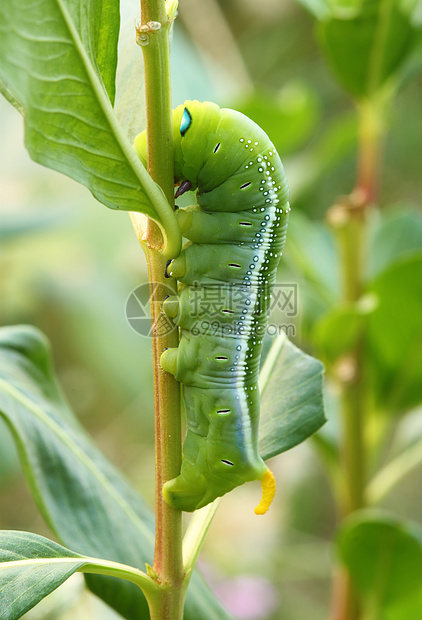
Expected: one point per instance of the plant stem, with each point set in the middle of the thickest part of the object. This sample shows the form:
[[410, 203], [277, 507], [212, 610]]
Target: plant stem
[[345, 602], [369, 139], [114, 569], [168, 533], [349, 219]]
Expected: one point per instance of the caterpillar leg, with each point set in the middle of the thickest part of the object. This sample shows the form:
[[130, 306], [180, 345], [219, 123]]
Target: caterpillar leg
[[186, 491], [176, 268], [168, 360], [171, 306]]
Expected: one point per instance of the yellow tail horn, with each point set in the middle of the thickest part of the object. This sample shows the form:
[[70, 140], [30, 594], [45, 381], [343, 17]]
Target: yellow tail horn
[[268, 491]]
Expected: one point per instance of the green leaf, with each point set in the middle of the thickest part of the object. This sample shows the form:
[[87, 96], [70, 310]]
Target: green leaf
[[313, 249], [130, 80], [79, 494], [384, 557], [30, 568], [58, 61], [102, 22], [292, 406], [395, 335], [393, 472], [319, 8], [368, 43], [398, 233], [405, 609], [338, 330], [288, 116], [85, 500]]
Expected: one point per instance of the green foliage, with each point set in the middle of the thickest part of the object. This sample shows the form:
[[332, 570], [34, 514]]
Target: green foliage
[[292, 405], [318, 280], [84, 499], [367, 43], [397, 233], [288, 116], [319, 8], [384, 557], [80, 495], [395, 334], [307, 239], [58, 68], [338, 330], [410, 607], [30, 568], [392, 344]]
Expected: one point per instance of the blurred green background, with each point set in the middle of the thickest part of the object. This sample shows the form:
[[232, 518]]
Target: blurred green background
[[68, 265]]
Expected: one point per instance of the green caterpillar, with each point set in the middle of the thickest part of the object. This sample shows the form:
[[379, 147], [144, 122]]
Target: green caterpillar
[[236, 233]]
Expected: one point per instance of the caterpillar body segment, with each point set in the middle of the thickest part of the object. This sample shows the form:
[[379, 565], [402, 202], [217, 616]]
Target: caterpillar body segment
[[227, 271]]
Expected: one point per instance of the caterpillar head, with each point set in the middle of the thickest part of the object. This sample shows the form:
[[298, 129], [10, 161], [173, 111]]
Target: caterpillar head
[[216, 150], [193, 122]]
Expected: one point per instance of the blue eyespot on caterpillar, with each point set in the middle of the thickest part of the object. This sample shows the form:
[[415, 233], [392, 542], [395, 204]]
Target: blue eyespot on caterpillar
[[186, 121], [235, 234]]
